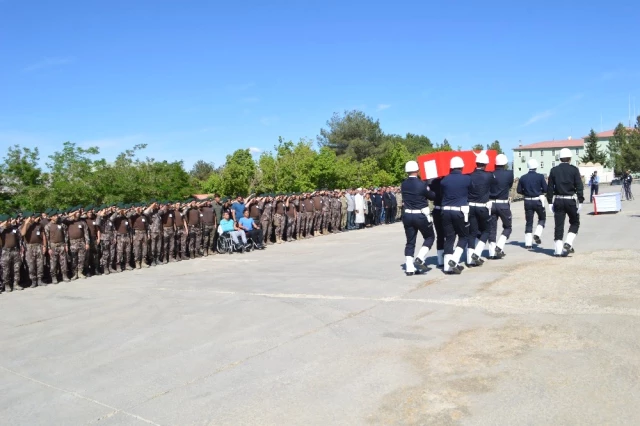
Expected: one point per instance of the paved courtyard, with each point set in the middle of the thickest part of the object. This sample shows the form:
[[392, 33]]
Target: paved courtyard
[[329, 331]]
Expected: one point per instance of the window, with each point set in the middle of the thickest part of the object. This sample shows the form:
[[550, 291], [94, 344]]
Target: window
[[542, 153], [577, 151], [553, 152], [553, 164], [519, 169], [542, 164], [530, 153], [519, 153]]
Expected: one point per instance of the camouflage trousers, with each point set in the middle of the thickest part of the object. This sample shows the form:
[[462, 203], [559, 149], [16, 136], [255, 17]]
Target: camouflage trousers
[[123, 242], [139, 246], [169, 243], [291, 227], [35, 262], [10, 264], [326, 220], [343, 220], [77, 253], [265, 223], [92, 259], [335, 220], [309, 218], [299, 227], [58, 258], [208, 234], [195, 235], [317, 222], [155, 245], [108, 249], [181, 243], [278, 225]]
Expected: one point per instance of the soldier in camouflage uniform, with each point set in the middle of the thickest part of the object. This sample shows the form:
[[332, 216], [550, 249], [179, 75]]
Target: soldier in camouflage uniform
[[10, 240], [181, 232], [266, 206], [309, 214], [326, 211], [343, 211], [168, 233], [107, 239], [279, 224], [120, 219], [194, 226], [208, 228], [299, 231], [32, 233], [57, 240], [92, 259], [318, 208], [140, 226], [336, 204], [155, 213], [292, 216], [78, 242]]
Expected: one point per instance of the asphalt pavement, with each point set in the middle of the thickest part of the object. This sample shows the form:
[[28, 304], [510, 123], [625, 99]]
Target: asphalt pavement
[[329, 331]]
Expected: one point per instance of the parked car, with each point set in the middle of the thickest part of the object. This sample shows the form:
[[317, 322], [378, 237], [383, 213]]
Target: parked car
[[616, 181]]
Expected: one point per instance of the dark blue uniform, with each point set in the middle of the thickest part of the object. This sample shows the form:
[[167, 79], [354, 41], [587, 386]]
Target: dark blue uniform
[[531, 186], [565, 182], [435, 186], [479, 214], [500, 189], [376, 202], [455, 195], [415, 196]]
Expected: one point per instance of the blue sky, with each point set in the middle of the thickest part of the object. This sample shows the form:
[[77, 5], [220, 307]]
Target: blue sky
[[198, 79]]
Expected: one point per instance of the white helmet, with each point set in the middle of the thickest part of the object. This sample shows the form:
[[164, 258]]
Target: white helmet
[[456, 163], [532, 164], [411, 167], [501, 160], [565, 153], [482, 158]]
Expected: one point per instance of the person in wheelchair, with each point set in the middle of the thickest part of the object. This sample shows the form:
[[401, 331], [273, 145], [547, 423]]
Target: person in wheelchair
[[251, 228], [228, 226]]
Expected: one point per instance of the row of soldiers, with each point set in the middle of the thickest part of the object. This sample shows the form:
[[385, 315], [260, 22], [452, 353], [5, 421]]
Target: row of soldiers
[[69, 244]]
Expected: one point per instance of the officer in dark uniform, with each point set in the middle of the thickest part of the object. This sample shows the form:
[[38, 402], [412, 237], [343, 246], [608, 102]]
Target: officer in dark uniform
[[566, 185], [417, 218], [500, 207], [435, 186], [479, 210], [533, 188], [455, 215]]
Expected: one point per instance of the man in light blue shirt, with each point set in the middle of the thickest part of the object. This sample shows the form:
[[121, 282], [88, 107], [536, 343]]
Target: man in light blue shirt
[[228, 225], [252, 229], [594, 183]]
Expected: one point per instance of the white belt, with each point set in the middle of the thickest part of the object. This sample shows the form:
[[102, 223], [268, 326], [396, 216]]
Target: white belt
[[436, 207], [566, 197], [501, 201], [478, 204], [532, 198], [413, 211], [458, 209]]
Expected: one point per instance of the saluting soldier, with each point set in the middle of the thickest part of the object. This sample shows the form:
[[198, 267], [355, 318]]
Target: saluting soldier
[[107, 234], [92, 258], [78, 242], [316, 197], [208, 227], [326, 212], [10, 240], [193, 216], [155, 214], [293, 204], [565, 196], [121, 222], [32, 232], [140, 227], [281, 205], [57, 241], [266, 206]]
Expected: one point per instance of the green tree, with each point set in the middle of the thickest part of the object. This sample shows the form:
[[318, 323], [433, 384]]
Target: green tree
[[495, 146], [478, 147], [354, 134], [71, 176], [444, 146], [393, 162], [201, 170], [324, 171], [630, 152], [591, 151], [22, 180], [239, 173], [267, 173], [617, 143], [214, 184]]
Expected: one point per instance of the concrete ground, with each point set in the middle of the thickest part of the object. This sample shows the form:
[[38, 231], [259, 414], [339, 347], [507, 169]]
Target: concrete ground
[[329, 331]]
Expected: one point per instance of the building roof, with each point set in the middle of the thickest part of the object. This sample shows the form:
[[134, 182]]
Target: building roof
[[567, 143], [608, 133]]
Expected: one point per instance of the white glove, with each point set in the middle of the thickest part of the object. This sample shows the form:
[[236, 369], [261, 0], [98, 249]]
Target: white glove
[[551, 208], [579, 207]]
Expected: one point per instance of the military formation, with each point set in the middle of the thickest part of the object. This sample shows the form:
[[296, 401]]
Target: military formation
[[41, 248], [467, 209]]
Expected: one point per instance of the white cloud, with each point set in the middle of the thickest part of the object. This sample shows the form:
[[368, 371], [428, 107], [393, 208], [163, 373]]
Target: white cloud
[[268, 121], [48, 63], [382, 107], [255, 150], [540, 116]]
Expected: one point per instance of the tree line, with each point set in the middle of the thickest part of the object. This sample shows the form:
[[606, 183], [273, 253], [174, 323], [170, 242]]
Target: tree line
[[351, 151]]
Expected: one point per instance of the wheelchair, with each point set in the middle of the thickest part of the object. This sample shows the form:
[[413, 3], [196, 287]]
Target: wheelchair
[[226, 245]]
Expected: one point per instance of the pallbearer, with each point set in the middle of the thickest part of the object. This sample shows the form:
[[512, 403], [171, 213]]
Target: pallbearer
[[533, 188], [416, 218], [455, 215], [501, 208]]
